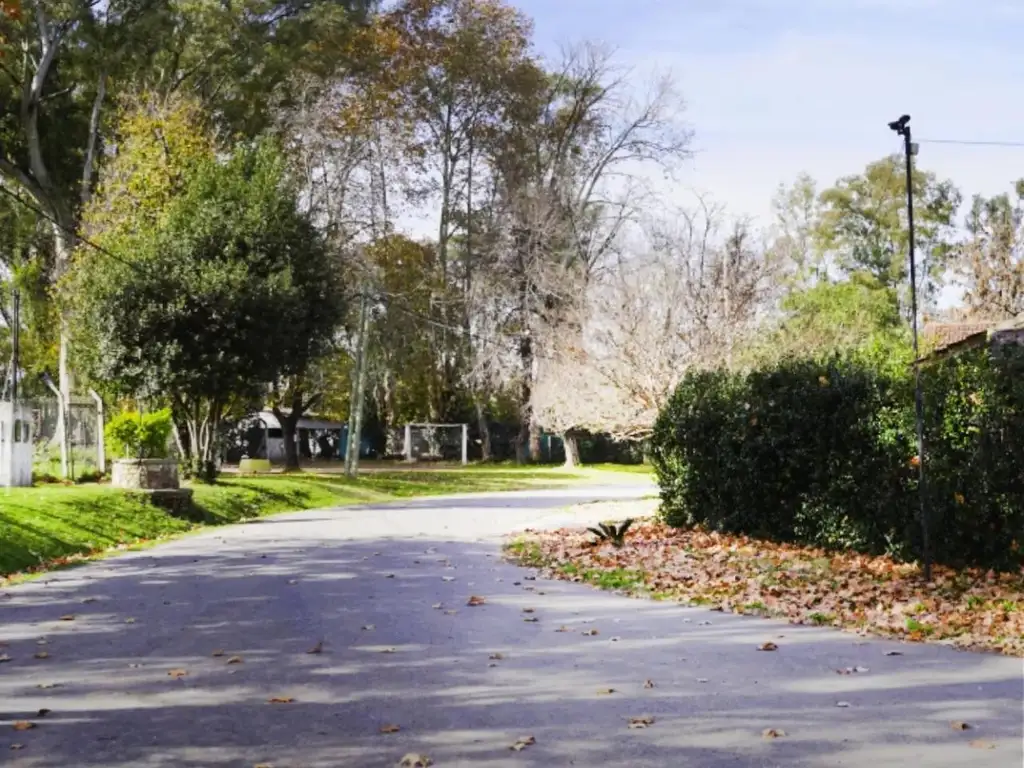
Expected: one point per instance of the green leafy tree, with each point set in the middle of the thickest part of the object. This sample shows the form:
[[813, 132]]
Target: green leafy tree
[[992, 258], [65, 62], [863, 225], [230, 289]]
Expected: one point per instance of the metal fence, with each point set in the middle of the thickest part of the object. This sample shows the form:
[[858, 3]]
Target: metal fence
[[83, 437]]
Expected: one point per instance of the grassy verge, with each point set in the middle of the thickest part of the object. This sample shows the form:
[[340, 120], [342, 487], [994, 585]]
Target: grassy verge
[[969, 609], [54, 525]]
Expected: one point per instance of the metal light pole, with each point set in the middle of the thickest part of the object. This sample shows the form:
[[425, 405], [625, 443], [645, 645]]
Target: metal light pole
[[902, 128]]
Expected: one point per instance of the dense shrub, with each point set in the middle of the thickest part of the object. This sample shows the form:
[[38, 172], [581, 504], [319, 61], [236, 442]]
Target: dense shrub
[[132, 435], [821, 452]]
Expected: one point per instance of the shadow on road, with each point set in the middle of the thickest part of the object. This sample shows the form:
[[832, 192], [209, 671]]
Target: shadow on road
[[391, 655]]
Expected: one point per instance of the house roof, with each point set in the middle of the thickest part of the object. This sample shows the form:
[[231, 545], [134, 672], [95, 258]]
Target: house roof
[[309, 421], [939, 337]]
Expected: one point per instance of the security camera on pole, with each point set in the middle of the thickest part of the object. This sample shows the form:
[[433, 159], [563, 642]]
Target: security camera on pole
[[902, 128]]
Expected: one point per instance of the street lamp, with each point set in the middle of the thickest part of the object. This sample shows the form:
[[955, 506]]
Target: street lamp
[[902, 128]]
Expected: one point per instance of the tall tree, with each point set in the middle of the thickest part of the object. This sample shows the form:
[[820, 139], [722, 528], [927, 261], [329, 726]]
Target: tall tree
[[230, 289], [63, 62], [863, 227], [991, 260], [568, 181]]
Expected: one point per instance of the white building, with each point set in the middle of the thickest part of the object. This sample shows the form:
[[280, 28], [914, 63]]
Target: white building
[[15, 444]]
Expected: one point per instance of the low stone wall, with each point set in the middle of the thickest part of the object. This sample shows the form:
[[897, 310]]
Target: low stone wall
[[145, 474]]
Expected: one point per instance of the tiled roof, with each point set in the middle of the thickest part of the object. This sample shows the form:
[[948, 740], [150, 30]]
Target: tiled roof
[[939, 336]]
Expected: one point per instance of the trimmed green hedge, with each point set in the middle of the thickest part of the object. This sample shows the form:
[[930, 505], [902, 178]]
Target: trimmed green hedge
[[821, 452]]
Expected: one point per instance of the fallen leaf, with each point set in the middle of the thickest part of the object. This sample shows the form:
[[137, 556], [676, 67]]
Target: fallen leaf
[[263, 765], [852, 671], [42, 655], [606, 691], [894, 653], [87, 600], [564, 629], [43, 712], [641, 722], [293, 581], [957, 725], [704, 624], [842, 704], [522, 743], [476, 600], [4, 657], [702, 680], [447, 578], [589, 632], [390, 728], [368, 626], [318, 648], [979, 744], [616, 639], [648, 683], [42, 641], [389, 650], [235, 660], [527, 610], [281, 700], [496, 656], [217, 653], [177, 673], [769, 646], [390, 576], [437, 606], [413, 760], [16, 746], [23, 725], [129, 621], [772, 733], [531, 619], [47, 686], [68, 617]]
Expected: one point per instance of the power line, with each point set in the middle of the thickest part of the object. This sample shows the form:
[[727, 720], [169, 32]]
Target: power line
[[70, 232], [971, 143]]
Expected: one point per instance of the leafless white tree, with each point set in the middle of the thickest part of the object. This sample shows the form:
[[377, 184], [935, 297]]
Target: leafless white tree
[[684, 301]]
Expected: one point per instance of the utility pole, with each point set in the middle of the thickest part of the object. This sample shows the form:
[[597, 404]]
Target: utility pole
[[902, 128]]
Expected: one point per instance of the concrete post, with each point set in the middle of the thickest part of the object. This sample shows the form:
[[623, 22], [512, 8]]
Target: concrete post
[[408, 442], [101, 447], [465, 444]]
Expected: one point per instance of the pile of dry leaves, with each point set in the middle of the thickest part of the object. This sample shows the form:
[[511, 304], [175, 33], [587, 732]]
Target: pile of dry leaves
[[969, 609]]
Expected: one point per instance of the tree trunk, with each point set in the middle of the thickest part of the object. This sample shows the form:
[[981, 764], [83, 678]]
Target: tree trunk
[[523, 442], [289, 425], [485, 430], [535, 448], [355, 415], [572, 449], [62, 252]]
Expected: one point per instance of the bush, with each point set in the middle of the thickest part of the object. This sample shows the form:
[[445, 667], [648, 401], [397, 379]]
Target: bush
[[820, 452], [131, 435]]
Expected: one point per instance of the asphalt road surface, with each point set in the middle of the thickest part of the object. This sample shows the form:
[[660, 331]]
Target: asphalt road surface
[[171, 657]]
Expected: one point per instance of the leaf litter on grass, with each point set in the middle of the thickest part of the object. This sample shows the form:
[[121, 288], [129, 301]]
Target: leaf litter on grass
[[971, 608]]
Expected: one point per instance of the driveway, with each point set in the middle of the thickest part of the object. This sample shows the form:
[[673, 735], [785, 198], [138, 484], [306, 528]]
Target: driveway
[[172, 657]]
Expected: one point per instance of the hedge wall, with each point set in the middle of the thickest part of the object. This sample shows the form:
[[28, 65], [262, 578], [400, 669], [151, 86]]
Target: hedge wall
[[822, 452]]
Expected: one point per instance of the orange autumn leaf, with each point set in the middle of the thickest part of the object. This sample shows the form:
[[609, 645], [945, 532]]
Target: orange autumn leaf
[[476, 600], [23, 725], [390, 728], [281, 700], [177, 673]]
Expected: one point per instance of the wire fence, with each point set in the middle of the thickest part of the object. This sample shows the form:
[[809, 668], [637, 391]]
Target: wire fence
[[83, 437]]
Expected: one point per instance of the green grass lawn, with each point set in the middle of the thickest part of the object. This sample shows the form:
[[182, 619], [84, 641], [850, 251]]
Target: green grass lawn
[[52, 525]]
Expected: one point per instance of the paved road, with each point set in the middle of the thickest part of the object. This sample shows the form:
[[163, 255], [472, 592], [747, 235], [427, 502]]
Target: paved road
[[363, 581]]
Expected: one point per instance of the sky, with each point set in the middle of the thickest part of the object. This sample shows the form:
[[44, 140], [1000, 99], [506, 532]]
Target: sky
[[778, 87]]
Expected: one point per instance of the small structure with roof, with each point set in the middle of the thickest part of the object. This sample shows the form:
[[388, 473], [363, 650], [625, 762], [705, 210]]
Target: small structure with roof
[[941, 340]]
